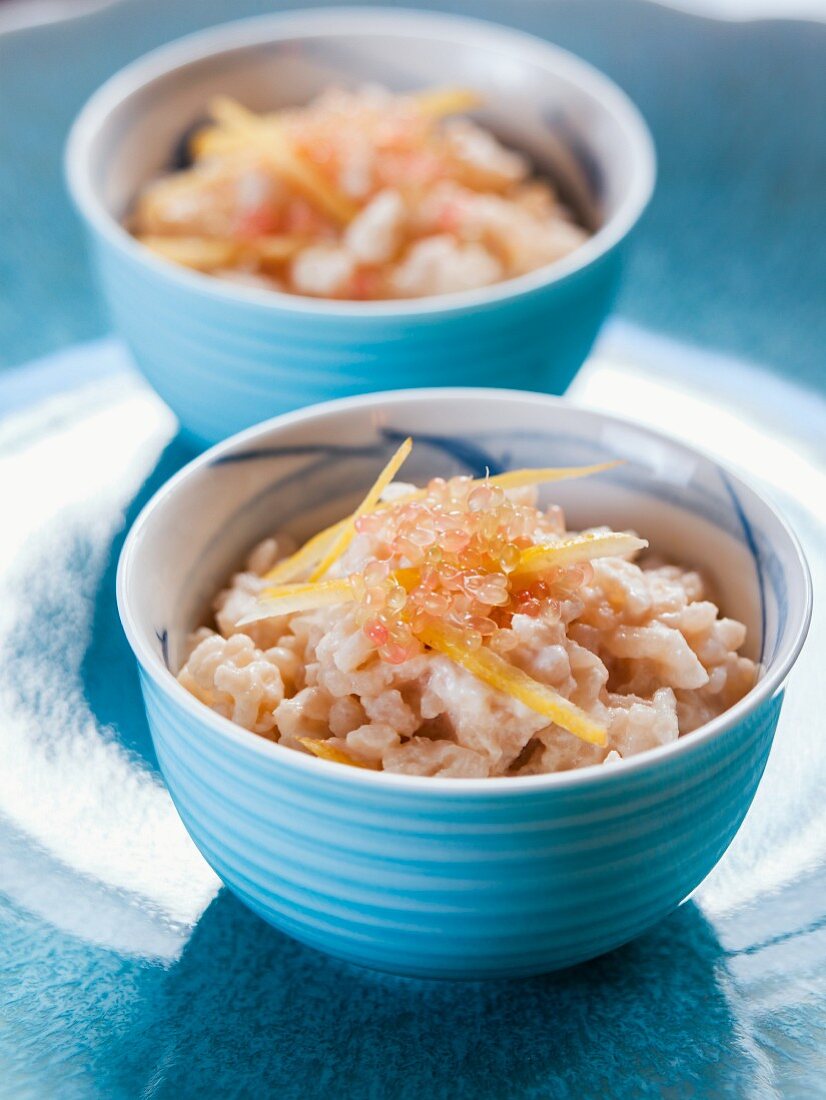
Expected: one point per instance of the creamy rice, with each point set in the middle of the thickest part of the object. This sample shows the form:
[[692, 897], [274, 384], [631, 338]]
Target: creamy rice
[[358, 195], [639, 646]]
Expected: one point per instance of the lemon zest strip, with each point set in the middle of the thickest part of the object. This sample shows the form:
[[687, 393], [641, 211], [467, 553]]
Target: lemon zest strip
[[288, 599], [209, 253], [345, 537], [271, 141], [434, 103], [497, 673], [539, 559], [325, 751], [199, 253], [306, 556], [438, 102], [518, 479]]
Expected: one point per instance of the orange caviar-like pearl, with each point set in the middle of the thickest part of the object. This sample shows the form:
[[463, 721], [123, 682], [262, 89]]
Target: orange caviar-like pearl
[[446, 557], [377, 632]]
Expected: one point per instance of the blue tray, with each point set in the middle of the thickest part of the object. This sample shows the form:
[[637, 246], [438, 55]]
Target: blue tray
[[123, 970]]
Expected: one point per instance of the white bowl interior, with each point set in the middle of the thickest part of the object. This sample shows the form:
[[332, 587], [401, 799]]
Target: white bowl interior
[[572, 121], [300, 472]]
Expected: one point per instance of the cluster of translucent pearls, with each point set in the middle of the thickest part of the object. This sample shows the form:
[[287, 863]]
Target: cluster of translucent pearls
[[446, 558]]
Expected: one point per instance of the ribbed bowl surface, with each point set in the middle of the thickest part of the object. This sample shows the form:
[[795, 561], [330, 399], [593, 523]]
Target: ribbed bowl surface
[[222, 364], [480, 885]]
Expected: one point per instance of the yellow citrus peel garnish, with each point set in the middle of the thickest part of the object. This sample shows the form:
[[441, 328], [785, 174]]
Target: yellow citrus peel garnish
[[288, 599], [269, 139], [313, 551], [275, 248], [226, 138], [325, 751], [310, 553], [439, 102], [210, 141], [538, 559], [210, 253], [497, 673], [518, 479], [369, 504], [199, 253]]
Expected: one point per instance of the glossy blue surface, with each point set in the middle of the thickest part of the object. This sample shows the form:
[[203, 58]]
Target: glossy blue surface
[[127, 974], [105, 990]]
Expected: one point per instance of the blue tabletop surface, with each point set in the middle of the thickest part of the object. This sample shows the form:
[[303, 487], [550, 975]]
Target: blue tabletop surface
[[101, 998], [727, 255]]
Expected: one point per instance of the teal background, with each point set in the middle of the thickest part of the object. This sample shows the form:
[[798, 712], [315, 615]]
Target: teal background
[[729, 255], [726, 255]]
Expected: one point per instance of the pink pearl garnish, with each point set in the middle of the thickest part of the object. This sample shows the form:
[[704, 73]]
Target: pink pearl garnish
[[455, 546], [377, 632]]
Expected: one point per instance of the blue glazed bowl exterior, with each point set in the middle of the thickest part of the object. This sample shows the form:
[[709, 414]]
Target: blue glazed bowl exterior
[[477, 886], [224, 363]]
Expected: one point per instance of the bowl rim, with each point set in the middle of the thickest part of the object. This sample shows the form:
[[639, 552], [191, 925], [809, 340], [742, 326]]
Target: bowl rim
[[766, 687], [336, 22]]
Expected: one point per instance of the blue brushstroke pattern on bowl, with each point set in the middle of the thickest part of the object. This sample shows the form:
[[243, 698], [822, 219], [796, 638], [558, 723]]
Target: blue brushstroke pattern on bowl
[[224, 356], [452, 878]]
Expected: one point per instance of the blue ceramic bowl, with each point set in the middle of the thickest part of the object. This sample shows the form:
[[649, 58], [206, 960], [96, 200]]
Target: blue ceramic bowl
[[223, 356], [449, 877]]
